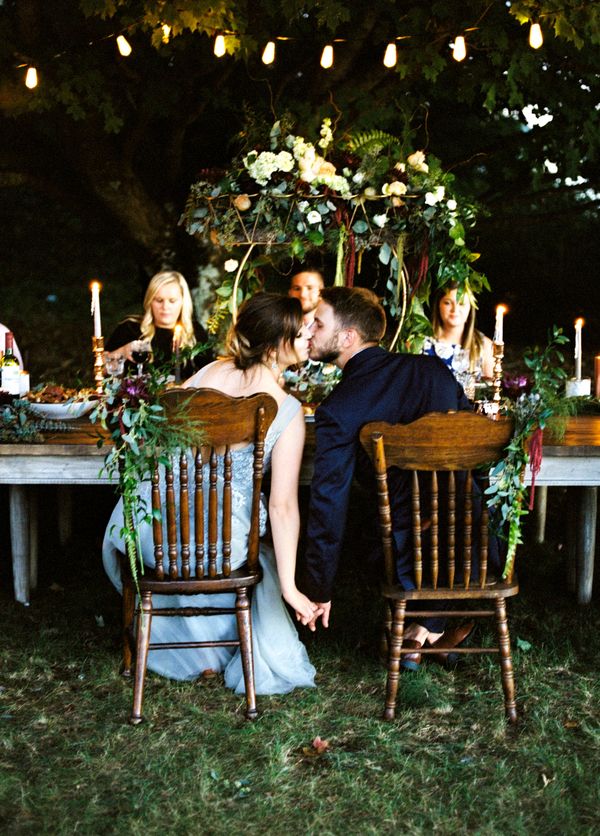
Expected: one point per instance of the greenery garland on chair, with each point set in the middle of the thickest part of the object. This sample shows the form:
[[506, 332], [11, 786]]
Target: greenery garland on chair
[[141, 436]]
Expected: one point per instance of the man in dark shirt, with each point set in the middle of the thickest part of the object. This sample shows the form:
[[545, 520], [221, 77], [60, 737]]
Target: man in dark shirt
[[375, 386]]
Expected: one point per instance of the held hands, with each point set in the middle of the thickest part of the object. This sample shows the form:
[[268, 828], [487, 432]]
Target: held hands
[[307, 613]]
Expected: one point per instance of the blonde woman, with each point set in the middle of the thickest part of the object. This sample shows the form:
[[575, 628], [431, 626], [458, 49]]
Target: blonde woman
[[167, 303], [466, 351]]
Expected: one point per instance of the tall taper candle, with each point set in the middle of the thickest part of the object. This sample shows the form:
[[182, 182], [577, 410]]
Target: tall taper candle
[[95, 288], [499, 327], [578, 326], [597, 375]]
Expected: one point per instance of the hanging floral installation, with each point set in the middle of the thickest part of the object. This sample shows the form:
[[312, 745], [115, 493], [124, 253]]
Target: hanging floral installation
[[361, 194]]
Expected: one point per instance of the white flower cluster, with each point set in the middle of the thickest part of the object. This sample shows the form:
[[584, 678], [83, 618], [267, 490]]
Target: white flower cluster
[[262, 166]]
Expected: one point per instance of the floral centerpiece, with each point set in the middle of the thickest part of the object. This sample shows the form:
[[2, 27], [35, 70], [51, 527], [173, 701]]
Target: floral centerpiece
[[289, 196], [130, 409]]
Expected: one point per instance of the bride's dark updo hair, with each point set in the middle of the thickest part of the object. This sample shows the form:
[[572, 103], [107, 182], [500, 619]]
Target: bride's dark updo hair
[[263, 322]]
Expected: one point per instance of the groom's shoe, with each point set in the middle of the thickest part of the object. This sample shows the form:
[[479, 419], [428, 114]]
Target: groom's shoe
[[449, 639], [411, 661]]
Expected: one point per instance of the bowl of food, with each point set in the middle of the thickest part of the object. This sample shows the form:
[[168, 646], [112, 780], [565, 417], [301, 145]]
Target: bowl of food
[[60, 403]]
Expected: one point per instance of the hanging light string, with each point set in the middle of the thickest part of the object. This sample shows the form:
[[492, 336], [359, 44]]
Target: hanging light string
[[269, 53]]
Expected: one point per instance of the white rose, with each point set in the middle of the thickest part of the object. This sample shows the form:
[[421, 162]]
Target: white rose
[[285, 161], [451, 204], [417, 161], [395, 188], [313, 217], [230, 265], [370, 192], [431, 198]]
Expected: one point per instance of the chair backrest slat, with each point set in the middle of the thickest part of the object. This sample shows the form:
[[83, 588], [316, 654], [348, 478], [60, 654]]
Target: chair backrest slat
[[203, 512], [435, 539], [213, 519], [199, 551], [451, 528], [226, 526], [157, 529], [171, 521], [184, 517], [417, 531], [448, 446]]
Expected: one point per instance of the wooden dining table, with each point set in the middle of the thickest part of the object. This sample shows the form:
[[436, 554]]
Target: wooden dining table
[[74, 458]]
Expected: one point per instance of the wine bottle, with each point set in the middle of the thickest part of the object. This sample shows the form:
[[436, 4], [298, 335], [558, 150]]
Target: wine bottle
[[10, 368]]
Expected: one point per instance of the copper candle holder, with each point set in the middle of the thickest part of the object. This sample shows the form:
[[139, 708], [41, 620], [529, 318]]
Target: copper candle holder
[[498, 349], [98, 351]]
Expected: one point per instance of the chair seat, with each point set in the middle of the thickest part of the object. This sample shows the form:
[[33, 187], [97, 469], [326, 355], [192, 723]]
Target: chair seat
[[493, 589], [238, 579]]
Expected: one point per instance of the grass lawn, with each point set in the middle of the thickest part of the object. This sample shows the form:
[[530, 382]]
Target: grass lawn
[[69, 762]]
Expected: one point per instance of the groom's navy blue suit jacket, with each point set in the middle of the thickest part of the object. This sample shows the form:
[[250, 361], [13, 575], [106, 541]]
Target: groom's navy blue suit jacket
[[375, 386]]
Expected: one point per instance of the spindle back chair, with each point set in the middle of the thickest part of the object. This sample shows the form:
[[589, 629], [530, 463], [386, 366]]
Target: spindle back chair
[[192, 530], [449, 531]]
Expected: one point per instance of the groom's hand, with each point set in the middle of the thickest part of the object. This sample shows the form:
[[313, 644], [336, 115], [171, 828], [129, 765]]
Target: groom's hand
[[323, 613]]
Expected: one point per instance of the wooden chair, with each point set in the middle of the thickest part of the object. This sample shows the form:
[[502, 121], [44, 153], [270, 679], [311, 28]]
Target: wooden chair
[[191, 568], [456, 443]]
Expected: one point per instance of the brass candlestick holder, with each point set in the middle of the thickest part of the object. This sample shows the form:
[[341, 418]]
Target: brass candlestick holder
[[98, 351], [498, 349]]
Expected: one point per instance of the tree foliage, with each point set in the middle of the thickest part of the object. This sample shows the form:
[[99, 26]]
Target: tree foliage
[[128, 135]]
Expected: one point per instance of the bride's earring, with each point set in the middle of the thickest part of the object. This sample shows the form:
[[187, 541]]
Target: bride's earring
[[275, 368]]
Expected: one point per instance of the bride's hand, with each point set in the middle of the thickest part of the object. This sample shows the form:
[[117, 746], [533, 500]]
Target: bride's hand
[[306, 611]]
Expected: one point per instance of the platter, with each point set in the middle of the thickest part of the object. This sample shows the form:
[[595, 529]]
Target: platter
[[66, 411]]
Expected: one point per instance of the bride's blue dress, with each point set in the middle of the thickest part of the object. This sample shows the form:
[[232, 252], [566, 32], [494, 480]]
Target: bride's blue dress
[[280, 659]]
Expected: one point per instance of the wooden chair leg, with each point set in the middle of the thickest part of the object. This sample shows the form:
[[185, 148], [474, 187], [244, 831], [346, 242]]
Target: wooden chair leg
[[144, 624], [396, 637], [244, 624], [386, 630], [508, 680], [128, 612]]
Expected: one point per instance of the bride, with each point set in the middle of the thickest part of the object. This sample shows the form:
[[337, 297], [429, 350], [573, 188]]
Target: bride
[[268, 336]]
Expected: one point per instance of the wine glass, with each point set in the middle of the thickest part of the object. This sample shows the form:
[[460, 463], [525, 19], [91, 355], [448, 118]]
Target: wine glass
[[140, 351]]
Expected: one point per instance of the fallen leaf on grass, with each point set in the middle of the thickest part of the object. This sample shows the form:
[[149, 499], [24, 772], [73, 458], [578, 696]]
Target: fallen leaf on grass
[[317, 747], [571, 724], [523, 645]]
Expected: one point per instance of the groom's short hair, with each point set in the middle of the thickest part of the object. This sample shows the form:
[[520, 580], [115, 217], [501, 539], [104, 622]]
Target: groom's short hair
[[358, 308]]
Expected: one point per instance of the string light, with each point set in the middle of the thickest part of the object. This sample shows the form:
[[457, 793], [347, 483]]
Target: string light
[[536, 38], [220, 46], [123, 46], [459, 50], [327, 57], [268, 55], [166, 33], [391, 55], [31, 78]]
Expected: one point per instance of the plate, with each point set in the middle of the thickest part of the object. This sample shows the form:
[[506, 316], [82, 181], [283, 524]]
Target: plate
[[67, 411]]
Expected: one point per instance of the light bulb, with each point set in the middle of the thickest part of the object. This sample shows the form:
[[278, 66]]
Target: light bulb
[[220, 46], [391, 55], [459, 50], [536, 39], [166, 33], [31, 78], [327, 57], [124, 46], [268, 55]]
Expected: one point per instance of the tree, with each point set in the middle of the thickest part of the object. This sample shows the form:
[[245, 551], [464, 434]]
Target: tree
[[126, 136]]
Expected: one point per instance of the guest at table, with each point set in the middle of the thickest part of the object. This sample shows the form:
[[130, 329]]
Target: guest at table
[[306, 285], [3, 331], [466, 351], [375, 386], [167, 303], [267, 337]]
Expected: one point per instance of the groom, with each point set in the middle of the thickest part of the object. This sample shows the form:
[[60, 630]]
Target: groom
[[375, 386]]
